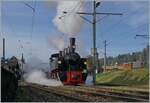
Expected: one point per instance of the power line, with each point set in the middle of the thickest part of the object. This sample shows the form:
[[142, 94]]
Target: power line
[[127, 33], [33, 9], [68, 13], [115, 25], [120, 21], [32, 19], [144, 36], [137, 29], [93, 22], [33, 22]]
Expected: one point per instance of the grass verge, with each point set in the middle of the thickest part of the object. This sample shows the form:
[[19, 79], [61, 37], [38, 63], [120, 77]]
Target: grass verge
[[134, 77]]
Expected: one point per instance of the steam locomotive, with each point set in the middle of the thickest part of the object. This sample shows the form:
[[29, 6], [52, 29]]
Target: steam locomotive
[[68, 66]]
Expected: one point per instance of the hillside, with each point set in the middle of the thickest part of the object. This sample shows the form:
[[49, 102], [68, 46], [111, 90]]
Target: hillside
[[135, 77]]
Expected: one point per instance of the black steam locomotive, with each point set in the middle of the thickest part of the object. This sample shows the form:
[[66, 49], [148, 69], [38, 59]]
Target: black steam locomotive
[[68, 66], [10, 74]]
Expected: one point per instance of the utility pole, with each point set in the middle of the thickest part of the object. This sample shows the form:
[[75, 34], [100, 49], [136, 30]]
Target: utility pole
[[104, 55], [94, 42], [33, 16], [4, 48], [22, 64], [22, 60], [93, 22]]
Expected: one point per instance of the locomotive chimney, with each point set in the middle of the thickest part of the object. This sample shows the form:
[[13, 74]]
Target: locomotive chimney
[[72, 44]]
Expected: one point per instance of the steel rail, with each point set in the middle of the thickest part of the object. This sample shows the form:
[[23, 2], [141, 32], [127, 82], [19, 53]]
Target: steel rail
[[85, 95], [143, 95], [112, 94], [59, 92]]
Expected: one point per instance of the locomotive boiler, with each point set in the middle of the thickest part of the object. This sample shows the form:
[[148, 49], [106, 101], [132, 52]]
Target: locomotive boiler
[[68, 66]]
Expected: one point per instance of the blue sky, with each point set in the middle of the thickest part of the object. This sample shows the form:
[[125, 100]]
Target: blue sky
[[120, 31]]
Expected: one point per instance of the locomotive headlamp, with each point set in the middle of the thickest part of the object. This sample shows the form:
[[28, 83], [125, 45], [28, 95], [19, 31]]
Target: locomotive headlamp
[[73, 46], [59, 62], [85, 63], [84, 71]]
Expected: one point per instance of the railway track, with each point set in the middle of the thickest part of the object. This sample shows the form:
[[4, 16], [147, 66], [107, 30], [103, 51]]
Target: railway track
[[106, 93], [92, 94], [128, 93], [58, 92]]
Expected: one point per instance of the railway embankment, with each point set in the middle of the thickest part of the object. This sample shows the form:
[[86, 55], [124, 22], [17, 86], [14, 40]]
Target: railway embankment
[[136, 78]]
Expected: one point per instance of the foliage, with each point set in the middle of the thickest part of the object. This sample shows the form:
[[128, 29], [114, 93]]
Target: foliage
[[123, 58]]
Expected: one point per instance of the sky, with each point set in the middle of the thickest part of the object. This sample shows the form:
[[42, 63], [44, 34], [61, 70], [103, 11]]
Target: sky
[[119, 31]]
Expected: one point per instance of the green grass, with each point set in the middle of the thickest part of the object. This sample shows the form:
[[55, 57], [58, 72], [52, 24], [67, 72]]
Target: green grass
[[135, 77]]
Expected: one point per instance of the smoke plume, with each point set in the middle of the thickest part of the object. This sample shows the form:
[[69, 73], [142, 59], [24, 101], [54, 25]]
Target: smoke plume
[[35, 72], [67, 20], [39, 77], [57, 41]]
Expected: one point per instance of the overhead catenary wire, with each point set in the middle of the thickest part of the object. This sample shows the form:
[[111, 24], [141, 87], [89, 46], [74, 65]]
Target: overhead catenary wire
[[32, 20], [71, 10], [112, 27], [144, 36], [126, 15], [93, 14], [133, 32], [29, 6], [123, 20], [115, 25]]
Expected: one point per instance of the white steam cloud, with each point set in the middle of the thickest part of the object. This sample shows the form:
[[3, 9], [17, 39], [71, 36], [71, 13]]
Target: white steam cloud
[[67, 20], [39, 77], [57, 41], [35, 72]]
